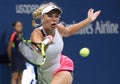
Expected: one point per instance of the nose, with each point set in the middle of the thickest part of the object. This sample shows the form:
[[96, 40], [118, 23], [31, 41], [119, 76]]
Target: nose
[[54, 19]]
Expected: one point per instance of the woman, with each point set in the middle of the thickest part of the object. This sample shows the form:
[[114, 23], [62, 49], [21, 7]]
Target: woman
[[15, 57], [57, 68]]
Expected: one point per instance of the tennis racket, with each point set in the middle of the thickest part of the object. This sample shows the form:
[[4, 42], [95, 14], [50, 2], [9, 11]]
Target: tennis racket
[[34, 53]]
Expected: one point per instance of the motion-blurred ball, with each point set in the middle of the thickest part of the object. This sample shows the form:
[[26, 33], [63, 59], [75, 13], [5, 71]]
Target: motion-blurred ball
[[84, 52]]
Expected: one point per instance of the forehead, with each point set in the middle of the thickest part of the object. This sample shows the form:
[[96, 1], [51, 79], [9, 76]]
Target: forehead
[[54, 11], [18, 24]]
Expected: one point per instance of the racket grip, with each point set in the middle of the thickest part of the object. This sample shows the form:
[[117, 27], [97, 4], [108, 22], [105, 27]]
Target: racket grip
[[48, 39]]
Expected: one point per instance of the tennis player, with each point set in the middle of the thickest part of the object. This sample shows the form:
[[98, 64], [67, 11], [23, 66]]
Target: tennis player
[[15, 57], [57, 68]]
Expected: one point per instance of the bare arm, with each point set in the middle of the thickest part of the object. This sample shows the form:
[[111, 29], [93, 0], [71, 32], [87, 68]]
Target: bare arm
[[67, 31], [36, 36], [9, 50]]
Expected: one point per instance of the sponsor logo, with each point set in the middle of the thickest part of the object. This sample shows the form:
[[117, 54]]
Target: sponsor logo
[[99, 27], [26, 8]]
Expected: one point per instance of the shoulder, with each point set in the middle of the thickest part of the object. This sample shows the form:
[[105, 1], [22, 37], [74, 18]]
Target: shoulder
[[36, 36], [60, 25], [36, 32], [12, 36], [63, 30], [13, 33], [60, 28]]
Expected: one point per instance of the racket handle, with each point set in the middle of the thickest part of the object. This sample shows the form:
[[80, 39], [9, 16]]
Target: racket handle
[[48, 39]]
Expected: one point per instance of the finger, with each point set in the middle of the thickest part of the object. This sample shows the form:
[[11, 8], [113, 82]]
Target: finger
[[91, 10], [97, 12]]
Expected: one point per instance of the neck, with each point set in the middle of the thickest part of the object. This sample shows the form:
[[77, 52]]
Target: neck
[[19, 32], [49, 32]]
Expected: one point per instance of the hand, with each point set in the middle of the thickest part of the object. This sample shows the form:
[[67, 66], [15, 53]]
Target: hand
[[93, 15]]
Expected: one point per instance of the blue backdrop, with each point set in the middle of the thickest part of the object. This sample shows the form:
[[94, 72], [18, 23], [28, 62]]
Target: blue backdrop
[[102, 37]]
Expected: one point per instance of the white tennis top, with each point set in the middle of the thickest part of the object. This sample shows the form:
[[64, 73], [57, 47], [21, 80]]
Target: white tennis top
[[53, 54]]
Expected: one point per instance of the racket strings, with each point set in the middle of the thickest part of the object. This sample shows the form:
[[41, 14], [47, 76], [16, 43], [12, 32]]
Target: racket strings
[[30, 53]]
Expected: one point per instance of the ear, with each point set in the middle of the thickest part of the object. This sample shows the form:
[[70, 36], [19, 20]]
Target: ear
[[42, 18]]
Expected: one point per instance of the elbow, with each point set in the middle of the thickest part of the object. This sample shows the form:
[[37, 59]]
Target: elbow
[[68, 34], [8, 49]]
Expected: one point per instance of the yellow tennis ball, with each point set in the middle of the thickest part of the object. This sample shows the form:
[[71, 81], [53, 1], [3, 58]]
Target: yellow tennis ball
[[84, 52]]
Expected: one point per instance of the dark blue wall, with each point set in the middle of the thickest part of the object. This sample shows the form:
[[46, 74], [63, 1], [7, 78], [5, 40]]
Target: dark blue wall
[[102, 37]]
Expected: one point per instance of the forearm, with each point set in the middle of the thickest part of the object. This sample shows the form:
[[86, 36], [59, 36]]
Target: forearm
[[9, 50], [76, 27], [9, 54]]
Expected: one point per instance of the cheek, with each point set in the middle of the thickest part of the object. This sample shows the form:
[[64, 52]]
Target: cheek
[[19, 29], [58, 19], [47, 20]]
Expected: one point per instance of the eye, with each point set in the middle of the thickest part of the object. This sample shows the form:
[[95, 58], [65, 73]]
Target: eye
[[57, 16], [50, 15]]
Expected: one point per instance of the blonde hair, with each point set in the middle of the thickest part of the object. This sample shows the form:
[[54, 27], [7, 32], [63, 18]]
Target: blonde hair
[[37, 13]]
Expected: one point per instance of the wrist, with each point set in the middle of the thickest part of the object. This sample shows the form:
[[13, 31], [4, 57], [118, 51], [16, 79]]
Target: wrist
[[48, 39], [88, 20]]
